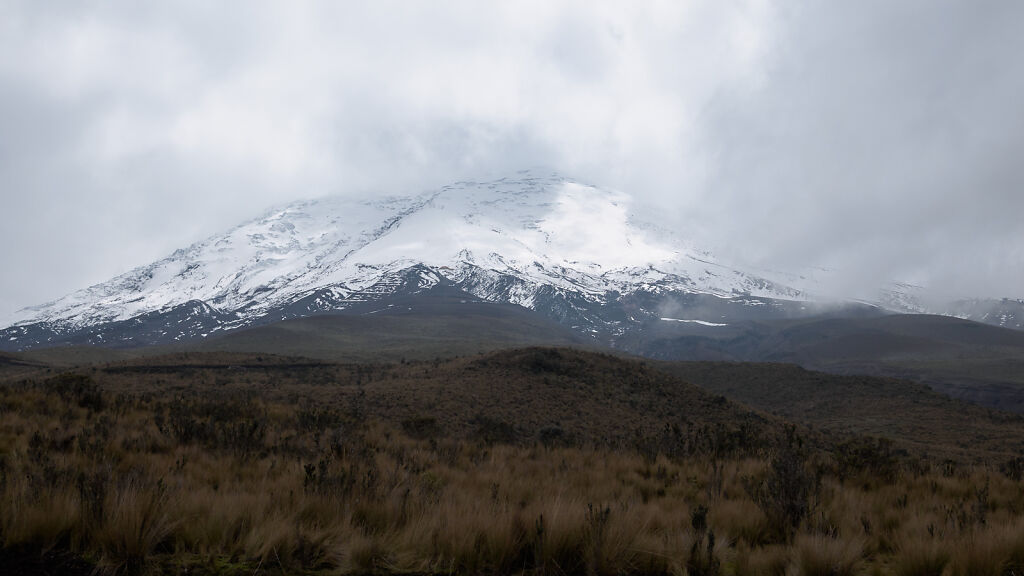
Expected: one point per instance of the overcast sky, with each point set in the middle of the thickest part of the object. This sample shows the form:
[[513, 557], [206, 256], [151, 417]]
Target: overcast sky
[[882, 138]]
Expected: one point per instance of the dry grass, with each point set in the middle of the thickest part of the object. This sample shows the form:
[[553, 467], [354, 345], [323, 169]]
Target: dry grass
[[921, 557], [246, 482], [821, 555]]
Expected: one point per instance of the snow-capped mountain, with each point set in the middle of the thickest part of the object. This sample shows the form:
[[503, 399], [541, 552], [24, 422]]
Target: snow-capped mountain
[[511, 240], [911, 299], [580, 254], [1005, 312]]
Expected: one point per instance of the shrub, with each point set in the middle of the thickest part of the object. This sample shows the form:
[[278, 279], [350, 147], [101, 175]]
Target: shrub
[[874, 456], [785, 493], [495, 431], [421, 427], [702, 560], [78, 388]]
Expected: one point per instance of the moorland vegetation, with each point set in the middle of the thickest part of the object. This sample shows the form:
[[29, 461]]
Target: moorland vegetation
[[536, 461]]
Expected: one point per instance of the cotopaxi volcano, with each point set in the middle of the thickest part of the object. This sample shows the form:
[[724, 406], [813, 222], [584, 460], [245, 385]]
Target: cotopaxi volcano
[[579, 254]]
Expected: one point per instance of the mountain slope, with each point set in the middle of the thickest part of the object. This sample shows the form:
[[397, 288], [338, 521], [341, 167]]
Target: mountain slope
[[917, 418], [964, 359], [439, 322], [543, 242], [517, 395], [583, 256]]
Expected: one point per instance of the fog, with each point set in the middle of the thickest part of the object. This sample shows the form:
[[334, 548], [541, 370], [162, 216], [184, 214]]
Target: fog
[[877, 139]]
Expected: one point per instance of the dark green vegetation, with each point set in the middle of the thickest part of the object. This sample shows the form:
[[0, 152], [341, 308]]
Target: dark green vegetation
[[393, 336], [12, 365], [917, 418], [963, 359], [959, 358], [967, 360], [570, 395], [8, 361], [537, 461], [441, 322]]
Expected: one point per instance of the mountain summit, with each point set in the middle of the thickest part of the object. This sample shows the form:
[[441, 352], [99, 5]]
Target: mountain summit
[[574, 252]]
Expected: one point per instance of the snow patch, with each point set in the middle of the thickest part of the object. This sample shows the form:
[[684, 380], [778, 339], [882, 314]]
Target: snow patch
[[701, 322]]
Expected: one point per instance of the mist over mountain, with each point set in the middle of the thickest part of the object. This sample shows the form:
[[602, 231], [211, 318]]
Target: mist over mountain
[[511, 288], [879, 141], [576, 253]]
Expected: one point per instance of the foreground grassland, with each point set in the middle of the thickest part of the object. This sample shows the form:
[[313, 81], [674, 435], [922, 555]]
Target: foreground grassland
[[236, 478]]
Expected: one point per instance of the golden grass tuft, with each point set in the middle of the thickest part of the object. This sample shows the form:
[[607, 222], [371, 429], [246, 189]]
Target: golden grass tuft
[[770, 560], [819, 555], [135, 524], [44, 518]]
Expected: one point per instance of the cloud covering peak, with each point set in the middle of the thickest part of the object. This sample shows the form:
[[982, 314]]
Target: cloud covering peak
[[874, 137]]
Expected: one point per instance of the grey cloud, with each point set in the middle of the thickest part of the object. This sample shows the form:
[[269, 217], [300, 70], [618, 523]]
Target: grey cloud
[[882, 141], [880, 138]]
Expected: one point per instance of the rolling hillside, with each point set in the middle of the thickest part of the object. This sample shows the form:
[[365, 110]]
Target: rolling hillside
[[963, 359]]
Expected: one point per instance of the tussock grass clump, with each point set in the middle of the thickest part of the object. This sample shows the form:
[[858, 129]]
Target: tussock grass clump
[[135, 523], [772, 560], [922, 557], [820, 555]]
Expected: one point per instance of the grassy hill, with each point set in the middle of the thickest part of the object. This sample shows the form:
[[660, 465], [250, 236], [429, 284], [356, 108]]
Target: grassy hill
[[440, 322], [963, 359], [581, 396], [393, 336], [966, 360], [527, 395], [18, 365], [913, 415], [7, 359]]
